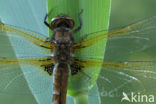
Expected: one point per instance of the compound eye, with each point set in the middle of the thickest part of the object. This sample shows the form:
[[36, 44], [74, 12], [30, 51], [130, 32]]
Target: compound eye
[[54, 23]]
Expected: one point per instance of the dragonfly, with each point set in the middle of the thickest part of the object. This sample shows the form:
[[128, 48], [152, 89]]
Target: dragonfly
[[62, 61]]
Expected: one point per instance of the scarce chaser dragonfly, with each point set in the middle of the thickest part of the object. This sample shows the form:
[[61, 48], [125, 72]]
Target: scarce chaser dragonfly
[[62, 61]]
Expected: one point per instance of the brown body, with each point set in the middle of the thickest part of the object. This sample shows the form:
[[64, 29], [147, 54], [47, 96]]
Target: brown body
[[62, 58], [62, 54], [61, 73]]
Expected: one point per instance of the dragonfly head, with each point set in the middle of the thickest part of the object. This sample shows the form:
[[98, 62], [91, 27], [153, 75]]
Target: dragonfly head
[[62, 21]]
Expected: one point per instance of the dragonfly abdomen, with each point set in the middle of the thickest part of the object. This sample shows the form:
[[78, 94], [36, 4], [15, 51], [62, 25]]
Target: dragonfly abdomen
[[61, 73]]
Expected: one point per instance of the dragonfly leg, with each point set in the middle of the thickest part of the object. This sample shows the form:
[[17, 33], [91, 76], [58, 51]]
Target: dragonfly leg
[[45, 22], [80, 20], [45, 18]]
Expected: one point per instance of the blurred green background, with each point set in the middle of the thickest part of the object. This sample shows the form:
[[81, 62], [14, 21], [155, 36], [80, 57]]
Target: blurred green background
[[123, 12]]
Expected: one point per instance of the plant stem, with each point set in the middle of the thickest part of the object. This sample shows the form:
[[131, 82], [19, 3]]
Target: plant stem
[[81, 99]]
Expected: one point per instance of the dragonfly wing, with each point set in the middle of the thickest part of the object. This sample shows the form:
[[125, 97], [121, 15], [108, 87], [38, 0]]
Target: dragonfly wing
[[17, 75], [137, 77], [143, 28], [26, 61], [32, 37], [118, 77]]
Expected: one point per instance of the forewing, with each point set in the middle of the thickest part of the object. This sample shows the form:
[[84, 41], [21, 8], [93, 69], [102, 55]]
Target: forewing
[[32, 37], [142, 30]]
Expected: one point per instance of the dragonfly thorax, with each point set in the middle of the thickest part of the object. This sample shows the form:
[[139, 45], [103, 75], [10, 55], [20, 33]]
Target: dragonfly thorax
[[62, 52], [62, 41], [62, 35]]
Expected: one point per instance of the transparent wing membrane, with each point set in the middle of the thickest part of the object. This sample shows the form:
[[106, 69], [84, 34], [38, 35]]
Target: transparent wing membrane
[[134, 77], [31, 61], [116, 77], [126, 65], [14, 71], [29, 36], [13, 79], [145, 27]]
